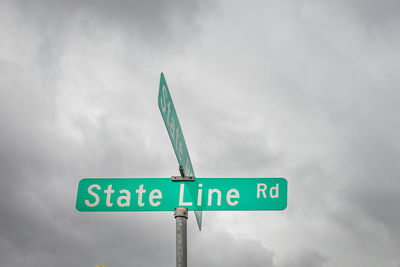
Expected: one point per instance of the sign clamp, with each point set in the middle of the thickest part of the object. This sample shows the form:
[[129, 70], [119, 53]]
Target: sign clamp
[[182, 178]]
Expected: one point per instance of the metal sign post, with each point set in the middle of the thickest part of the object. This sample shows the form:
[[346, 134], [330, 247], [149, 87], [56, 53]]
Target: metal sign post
[[181, 216]]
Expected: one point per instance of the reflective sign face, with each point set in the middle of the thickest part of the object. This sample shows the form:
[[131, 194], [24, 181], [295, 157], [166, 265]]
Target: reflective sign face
[[162, 194]]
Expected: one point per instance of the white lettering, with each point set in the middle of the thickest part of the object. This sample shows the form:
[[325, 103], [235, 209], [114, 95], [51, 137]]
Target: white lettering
[[96, 196], [155, 194], [172, 128], [140, 191], [176, 139], [109, 191], [169, 111], [262, 190], [127, 198], [233, 193], [276, 189], [163, 99], [180, 151], [181, 192], [199, 195], [210, 192]]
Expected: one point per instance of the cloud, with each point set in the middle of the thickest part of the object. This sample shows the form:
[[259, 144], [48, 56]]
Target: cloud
[[67, 111], [156, 23], [223, 249], [305, 258], [374, 14], [306, 91]]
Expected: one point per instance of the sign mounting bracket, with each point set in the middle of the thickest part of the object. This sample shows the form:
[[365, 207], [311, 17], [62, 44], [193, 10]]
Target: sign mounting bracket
[[182, 178]]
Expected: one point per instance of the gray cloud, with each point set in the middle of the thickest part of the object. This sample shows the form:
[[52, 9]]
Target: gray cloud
[[306, 258], [50, 138], [226, 250], [306, 91], [154, 21], [376, 14]]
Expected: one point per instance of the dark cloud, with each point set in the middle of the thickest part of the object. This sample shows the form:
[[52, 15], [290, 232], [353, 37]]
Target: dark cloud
[[320, 88], [51, 138], [374, 13], [304, 91], [157, 23]]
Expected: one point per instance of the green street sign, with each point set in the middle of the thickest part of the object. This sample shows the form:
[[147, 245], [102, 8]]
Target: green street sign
[[163, 194], [171, 121], [175, 133]]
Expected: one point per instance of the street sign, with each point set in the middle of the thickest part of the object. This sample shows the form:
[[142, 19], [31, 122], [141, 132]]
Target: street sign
[[175, 133], [171, 121], [163, 194], [180, 193]]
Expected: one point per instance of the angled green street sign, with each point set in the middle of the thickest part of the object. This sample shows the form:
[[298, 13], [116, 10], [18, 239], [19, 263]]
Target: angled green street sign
[[175, 133], [163, 194], [171, 121]]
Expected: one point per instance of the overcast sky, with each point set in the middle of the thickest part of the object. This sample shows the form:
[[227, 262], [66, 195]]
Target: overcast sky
[[306, 90]]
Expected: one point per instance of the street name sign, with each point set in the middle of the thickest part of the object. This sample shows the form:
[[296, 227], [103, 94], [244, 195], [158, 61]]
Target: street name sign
[[171, 121], [175, 133], [163, 194], [180, 193]]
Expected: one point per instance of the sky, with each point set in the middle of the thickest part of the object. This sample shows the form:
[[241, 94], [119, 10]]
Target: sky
[[305, 90]]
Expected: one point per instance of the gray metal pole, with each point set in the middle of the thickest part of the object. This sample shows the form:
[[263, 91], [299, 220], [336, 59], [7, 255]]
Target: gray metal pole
[[181, 216]]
